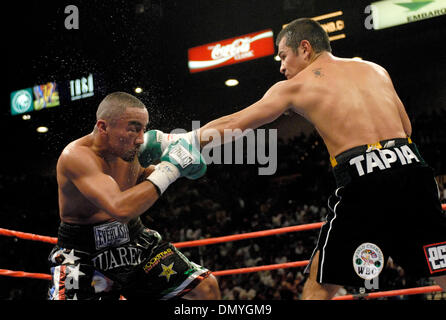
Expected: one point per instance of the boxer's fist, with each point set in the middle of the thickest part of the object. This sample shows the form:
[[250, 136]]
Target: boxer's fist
[[156, 142], [179, 159], [186, 158], [150, 150]]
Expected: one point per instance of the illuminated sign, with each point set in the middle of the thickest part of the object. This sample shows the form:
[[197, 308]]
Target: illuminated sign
[[34, 99], [82, 88], [53, 94], [391, 13], [333, 23], [22, 101], [45, 96], [231, 51]]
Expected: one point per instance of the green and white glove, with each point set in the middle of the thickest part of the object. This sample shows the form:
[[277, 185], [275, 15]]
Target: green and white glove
[[156, 142], [179, 159]]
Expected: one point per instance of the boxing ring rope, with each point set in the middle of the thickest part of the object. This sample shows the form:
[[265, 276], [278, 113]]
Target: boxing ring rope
[[201, 242], [22, 274], [194, 243], [372, 295], [391, 293], [27, 236]]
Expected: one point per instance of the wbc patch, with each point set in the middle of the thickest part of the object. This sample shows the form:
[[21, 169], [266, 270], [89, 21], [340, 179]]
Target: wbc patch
[[368, 261], [436, 256]]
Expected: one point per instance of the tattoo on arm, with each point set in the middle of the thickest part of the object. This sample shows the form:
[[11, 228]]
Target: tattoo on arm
[[318, 72]]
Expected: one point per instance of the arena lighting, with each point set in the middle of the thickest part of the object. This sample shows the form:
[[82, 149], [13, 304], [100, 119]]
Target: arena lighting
[[26, 117], [277, 58], [138, 90], [231, 82], [42, 129]]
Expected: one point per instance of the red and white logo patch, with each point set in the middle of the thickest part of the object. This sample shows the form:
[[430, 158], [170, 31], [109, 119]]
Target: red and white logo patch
[[436, 256]]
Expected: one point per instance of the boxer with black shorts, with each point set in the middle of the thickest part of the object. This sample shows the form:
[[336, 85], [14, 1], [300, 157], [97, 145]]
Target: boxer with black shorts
[[103, 250], [386, 204], [114, 259]]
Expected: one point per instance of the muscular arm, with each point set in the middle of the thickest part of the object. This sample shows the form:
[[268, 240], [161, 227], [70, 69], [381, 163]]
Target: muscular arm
[[274, 103], [82, 168]]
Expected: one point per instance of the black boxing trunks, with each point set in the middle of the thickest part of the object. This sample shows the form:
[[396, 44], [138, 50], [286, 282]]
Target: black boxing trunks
[[112, 259], [386, 204]]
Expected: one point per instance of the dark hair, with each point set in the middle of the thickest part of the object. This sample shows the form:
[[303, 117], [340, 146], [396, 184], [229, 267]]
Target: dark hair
[[305, 29], [114, 104]]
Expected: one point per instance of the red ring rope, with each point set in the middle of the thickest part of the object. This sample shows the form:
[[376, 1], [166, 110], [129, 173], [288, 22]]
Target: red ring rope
[[382, 294], [53, 240], [256, 234], [27, 236], [22, 274], [373, 295], [262, 268], [194, 243]]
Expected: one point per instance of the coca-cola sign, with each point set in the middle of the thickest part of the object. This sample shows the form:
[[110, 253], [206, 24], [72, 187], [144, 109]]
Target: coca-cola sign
[[230, 51]]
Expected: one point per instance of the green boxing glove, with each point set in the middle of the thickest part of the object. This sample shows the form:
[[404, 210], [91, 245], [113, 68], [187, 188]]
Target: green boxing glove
[[179, 159], [156, 142]]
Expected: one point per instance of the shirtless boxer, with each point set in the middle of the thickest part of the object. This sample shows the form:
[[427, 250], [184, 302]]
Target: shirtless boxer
[[103, 250], [386, 202]]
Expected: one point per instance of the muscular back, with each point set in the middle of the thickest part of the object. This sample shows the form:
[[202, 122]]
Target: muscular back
[[350, 103]]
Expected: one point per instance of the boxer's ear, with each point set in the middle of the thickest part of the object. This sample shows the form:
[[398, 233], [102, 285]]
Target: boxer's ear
[[305, 47], [101, 126]]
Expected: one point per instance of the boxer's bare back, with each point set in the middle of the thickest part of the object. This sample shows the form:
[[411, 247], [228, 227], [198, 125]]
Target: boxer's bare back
[[349, 102]]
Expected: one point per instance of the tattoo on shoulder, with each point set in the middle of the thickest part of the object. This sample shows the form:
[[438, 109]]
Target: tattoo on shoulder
[[318, 72]]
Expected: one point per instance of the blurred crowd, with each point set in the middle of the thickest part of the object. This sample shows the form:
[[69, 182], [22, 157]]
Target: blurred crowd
[[230, 199]]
